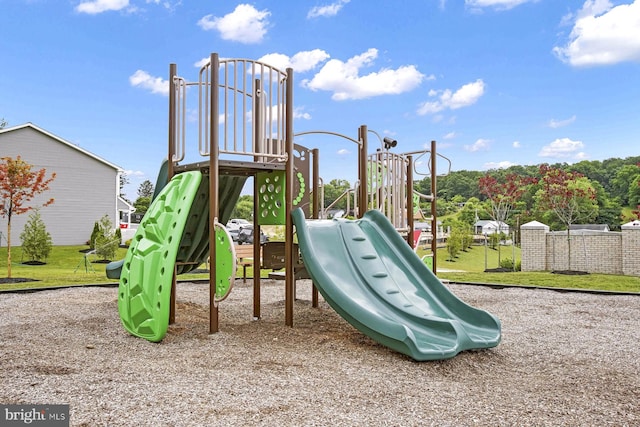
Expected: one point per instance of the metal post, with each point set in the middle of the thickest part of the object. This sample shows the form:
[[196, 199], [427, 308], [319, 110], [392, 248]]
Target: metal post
[[362, 171], [410, 200], [434, 213], [173, 70], [289, 171], [214, 142], [315, 211]]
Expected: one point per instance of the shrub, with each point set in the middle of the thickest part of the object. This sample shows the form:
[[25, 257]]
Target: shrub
[[106, 241], [94, 235], [508, 263], [36, 240]]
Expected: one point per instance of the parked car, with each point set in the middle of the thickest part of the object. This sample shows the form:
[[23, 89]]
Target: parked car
[[245, 235], [234, 234], [237, 223]]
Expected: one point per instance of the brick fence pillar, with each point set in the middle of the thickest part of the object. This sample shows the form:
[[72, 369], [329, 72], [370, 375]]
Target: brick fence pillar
[[533, 243], [631, 248]]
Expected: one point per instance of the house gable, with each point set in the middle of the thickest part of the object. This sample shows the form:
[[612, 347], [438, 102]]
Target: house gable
[[85, 189]]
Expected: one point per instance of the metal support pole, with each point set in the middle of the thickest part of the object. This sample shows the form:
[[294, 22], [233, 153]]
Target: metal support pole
[[410, 200], [173, 70], [315, 211], [214, 145], [289, 171], [362, 171], [434, 213]]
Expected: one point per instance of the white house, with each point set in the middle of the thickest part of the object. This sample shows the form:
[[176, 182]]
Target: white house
[[86, 186], [487, 227]]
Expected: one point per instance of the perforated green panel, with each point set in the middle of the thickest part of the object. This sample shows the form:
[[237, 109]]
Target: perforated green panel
[[271, 198]]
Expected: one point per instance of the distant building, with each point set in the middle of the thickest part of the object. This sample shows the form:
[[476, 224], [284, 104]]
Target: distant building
[[86, 187], [490, 227]]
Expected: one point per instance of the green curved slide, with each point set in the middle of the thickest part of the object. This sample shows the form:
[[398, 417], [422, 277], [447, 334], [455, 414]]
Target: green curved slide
[[373, 279], [175, 229]]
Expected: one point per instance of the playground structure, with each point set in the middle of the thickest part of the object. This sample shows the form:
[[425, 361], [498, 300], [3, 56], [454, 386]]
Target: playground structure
[[245, 129]]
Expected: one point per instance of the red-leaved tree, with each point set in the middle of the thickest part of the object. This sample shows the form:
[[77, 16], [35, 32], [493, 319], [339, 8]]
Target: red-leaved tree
[[503, 196], [568, 196], [18, 186]]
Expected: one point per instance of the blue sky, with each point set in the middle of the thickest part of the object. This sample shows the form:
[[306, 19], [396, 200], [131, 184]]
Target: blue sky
[[494, 82]]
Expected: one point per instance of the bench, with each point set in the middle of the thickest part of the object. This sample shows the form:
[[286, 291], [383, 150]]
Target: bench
[[271, 257], [244, 258]]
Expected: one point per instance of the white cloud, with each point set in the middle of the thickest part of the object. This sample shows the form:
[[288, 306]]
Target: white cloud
[[146, 81], [300, 62], [204, 61], [480, 145], [98, 6], [516, 144], [496, 4], [498, 165], [563, 148], [463, 97], [602, 34], [343, 79], [343, 152], [299, 113], [245, 24], [450, 135], [554, 124], [328, 10]]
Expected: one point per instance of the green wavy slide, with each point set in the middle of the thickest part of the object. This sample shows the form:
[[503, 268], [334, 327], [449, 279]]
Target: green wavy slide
[[368, 273]]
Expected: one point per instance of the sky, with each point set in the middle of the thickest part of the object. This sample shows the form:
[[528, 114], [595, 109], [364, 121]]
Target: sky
[[494, 82]]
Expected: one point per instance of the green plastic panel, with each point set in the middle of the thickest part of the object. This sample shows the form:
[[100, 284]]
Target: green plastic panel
[[271, 198], [225, 263], [146, 278], [366, 271]]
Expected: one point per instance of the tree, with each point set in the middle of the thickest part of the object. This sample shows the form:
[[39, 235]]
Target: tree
[[18, 186], [569, 195], [243, 208], [145, 189], [637, 211], [3, 123], [333, 190], [142, 204], [503, 196], [36, 240], [107, 241], [124, 180]]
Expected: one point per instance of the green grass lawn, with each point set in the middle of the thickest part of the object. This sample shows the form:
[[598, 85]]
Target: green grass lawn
[[469, 266], [65, 266]]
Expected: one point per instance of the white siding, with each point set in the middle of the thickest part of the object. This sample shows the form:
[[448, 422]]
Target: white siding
[[84, 190]]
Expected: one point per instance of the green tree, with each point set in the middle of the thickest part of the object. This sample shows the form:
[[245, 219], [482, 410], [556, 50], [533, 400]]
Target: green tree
[[3, 123], [623, 182], [142, 204], [124, 180], [333, 190], [243, 208], [145, 189], [94, 235], [36, 240], [471, 212], [634, 192], [19, 185], [107, 241]]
